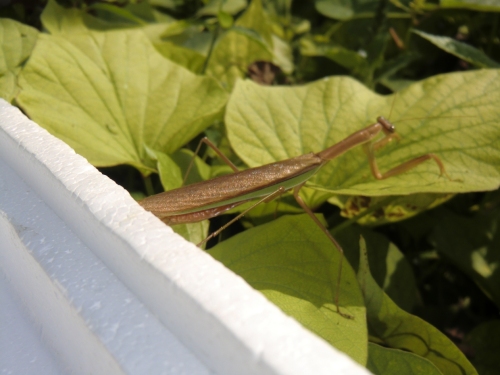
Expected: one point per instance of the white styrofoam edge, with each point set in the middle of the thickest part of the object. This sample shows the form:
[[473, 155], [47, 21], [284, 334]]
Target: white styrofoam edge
[[228, 325], [77, 311], [65, 334]]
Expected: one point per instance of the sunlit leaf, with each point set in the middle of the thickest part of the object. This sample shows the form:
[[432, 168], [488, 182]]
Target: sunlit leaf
[[282, 54], [16, 43], [107, 94], [60, 20], [225, 20], [185, 57], [234, 51], [178, 53], [228, 6], [344, 9], [461, 50], [199, 169], [295, 266], [170, 173], [455, 116], [477, 5], [116, 12], [193, 232], [171, 177], [57, 19]]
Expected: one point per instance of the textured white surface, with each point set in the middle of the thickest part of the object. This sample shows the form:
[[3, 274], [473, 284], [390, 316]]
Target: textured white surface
[[111, 289], [84, 320]]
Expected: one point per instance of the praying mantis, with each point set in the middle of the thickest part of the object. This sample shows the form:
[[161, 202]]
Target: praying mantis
[[207, 199]]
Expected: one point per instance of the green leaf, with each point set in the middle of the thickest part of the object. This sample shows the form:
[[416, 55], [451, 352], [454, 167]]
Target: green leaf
[[282, 54], [170, 173], [455, 116], [397, 329], [387, 361], [389, 267], [117, 12], [253, 35], [335, 10], [344, 9], [234, 52], [187, 34], [477, 5], [200, 171], [171, 178], [484, 340], [107, 94], [16, 43], [185, 57], [295, 266], [176, 52], [460, 50], [59, 20], [348, 59], [228, 6], [168, 4], [193, 232], [225, 19], [472, 244]]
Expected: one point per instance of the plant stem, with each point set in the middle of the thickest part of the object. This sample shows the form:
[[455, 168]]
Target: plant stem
[[148, 184], [212, 43]]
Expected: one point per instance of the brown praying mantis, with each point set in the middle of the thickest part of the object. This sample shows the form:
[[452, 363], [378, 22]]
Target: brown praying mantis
[[207, 199]]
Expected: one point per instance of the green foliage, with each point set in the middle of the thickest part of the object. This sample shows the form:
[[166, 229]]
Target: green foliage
[[17, 41], [107, 96], [472, 243], [294, 265], [398, 329], [485, 340], [139, 83], [461, 50], [387, 361], [269, 124]]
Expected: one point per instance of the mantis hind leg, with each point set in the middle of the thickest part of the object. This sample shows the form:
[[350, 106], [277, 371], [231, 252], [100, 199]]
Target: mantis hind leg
[[264, 199], [301, 202]]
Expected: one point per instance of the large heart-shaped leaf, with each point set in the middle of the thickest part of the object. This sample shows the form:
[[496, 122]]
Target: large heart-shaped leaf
[[295, 266], [455, 116], [109, 94]]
